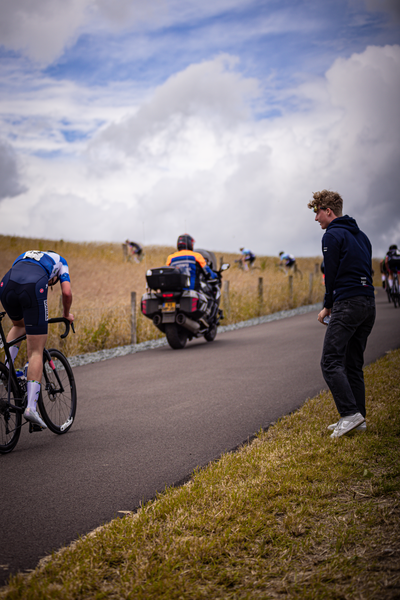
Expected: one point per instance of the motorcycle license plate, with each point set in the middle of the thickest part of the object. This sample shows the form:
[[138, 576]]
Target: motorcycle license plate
[[168, 306]]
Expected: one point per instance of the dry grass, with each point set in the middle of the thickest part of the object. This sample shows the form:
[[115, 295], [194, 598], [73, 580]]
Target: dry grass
[[102, 283], [292, 515]]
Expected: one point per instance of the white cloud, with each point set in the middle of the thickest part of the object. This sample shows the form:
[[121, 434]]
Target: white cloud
[[41, 28], [10, 172], [197, 104], [193, 157]]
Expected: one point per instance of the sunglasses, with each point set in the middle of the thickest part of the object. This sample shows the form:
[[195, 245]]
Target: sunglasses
[[316, 208]]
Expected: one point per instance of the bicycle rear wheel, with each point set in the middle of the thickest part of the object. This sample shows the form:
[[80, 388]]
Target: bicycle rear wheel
[[395, 292], [10, 419], [57, 399], [387, 289]]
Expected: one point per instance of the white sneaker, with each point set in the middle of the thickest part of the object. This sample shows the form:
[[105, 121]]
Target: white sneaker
[[361, 428], [347, 424], [33, 416]]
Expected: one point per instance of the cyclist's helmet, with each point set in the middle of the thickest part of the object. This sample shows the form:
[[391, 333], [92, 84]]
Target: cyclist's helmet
[[393, 247], [185, 242]]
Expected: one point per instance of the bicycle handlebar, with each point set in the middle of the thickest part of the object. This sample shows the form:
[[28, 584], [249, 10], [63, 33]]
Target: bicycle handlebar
[[67, 324]]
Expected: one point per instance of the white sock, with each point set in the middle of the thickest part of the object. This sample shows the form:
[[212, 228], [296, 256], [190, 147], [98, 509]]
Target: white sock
[[13, 353], [33, 388]]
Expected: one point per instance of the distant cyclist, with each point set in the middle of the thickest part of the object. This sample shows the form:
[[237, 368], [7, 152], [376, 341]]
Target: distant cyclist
[[23, 293], [289, 259], [392, 257], [247, 259], [134, 249]]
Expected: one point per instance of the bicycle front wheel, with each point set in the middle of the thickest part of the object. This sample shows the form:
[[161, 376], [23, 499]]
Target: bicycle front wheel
[[57, 399], [10, 419]]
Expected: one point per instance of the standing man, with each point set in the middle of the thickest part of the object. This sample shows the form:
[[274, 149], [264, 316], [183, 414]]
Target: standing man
[[23, 294], [350, 303]]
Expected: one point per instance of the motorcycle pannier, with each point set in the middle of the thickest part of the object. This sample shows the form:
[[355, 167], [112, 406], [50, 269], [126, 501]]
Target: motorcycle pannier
[[394, 262], [166, 278]]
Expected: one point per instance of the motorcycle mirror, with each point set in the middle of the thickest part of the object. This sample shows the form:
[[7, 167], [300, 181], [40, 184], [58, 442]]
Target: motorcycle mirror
[[225, 266]]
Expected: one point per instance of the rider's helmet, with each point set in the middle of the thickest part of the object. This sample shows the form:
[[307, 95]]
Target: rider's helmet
[[185, 242], [393, 247]]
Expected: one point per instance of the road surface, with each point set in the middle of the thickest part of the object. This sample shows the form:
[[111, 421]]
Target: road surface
[[146, 420]]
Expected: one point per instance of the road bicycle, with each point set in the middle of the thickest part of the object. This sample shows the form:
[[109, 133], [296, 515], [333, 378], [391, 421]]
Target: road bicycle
[[387, 288], [292, 270], [394, 291], [241, 265], [57, 398]]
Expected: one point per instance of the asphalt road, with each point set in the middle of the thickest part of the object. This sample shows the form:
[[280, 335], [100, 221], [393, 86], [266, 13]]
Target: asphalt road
[[146, 420]]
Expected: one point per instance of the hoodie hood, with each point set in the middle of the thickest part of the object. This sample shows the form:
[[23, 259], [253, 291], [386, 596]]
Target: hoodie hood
[[345, 222], [347, 258]]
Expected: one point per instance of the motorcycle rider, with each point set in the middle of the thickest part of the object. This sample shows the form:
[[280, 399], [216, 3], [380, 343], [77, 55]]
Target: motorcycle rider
[[195, 266], [190, 262]]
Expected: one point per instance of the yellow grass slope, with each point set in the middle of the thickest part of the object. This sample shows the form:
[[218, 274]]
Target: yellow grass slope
[[102, 281]]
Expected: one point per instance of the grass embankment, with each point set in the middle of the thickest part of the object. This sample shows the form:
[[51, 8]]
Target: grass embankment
[[293, 514], [102, 282]]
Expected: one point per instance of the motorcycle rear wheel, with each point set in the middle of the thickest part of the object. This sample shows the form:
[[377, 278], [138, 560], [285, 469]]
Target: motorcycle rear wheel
[[176, 336], [211, 333]]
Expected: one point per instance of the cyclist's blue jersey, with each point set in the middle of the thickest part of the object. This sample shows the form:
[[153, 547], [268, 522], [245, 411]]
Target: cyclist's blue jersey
[[248, 253], [54, 264]]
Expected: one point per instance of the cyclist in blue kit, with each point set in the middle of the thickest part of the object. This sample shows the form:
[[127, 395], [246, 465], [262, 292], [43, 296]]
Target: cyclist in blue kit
[[23, 294]]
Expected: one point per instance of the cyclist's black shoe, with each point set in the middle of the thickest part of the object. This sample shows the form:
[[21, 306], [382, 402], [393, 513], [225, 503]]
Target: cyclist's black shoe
[[33, 427], [33, 416]]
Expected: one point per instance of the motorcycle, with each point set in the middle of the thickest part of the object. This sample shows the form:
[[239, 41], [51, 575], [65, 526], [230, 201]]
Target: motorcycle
[[179, 312]]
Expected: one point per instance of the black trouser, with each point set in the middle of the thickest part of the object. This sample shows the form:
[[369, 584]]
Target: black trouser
[[343, 353]]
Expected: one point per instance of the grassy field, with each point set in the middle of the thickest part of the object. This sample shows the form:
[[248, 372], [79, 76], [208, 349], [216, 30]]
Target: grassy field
[[102, 282], [293, 515]]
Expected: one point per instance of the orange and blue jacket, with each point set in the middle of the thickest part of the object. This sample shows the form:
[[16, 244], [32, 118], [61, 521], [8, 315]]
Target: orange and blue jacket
[[190, 263]]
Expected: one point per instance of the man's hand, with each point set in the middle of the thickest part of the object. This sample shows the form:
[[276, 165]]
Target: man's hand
[[325, 312]]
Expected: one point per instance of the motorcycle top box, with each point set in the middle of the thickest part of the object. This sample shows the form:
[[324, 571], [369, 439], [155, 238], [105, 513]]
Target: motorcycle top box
[[166, 278]]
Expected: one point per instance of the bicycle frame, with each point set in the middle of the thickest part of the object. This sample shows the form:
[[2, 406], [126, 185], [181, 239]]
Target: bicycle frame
[[11, 369], [48, 385]]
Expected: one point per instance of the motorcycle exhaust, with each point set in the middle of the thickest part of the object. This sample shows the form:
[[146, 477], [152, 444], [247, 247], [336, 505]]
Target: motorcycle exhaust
[[183, 320], [157, 320]]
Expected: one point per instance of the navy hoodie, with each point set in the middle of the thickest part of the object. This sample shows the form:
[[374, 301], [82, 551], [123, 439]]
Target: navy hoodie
[[348, 261]]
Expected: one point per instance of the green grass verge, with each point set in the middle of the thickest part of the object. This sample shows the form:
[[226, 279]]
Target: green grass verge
[[294, 514]]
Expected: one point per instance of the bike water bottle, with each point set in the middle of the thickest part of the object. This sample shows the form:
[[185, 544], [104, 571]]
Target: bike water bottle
[[19, 373]]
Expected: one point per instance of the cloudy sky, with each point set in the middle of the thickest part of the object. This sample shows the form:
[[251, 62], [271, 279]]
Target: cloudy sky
[[145, 119]]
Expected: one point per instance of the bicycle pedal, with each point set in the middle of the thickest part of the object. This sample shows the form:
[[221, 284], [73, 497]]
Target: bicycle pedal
[[34, 427]]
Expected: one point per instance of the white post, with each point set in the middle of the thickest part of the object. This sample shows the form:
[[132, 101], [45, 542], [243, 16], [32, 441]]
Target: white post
[[133, 318], [225, 298]]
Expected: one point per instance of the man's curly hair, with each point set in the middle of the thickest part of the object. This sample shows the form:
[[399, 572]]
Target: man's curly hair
[[327, 199]]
